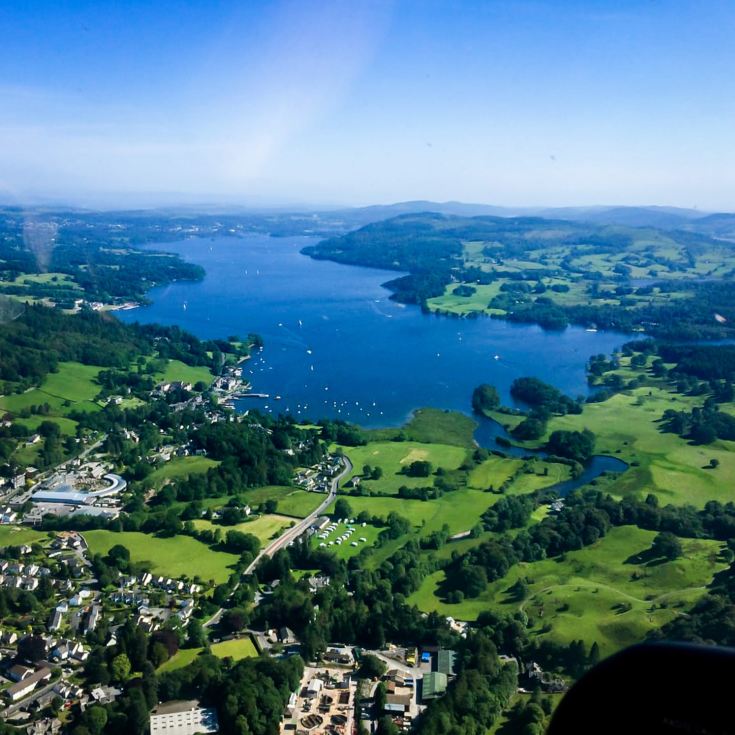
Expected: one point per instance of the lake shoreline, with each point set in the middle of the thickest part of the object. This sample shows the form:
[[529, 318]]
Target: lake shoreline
[[337, 345]]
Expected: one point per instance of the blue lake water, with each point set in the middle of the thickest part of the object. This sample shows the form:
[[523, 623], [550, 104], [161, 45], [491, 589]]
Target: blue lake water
[[336, 346]]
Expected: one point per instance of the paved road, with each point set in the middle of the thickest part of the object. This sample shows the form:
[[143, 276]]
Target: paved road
[[293, 533]]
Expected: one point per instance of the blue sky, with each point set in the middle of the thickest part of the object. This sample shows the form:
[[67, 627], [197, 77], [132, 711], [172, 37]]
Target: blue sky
[[285, 102]]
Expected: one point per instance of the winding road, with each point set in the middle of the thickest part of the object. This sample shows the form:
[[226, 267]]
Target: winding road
[[294, 532]]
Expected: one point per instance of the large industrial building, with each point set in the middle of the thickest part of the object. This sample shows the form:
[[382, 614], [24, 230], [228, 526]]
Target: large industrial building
[[67, 494]]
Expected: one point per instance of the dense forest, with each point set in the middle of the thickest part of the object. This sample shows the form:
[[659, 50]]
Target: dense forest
[[34, 343]]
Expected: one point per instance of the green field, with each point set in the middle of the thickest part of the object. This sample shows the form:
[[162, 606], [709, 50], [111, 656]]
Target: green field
[[391, 457], [493, 472], [68, 426], [18, 535], [523, 476], [463, 305], [178, 371], [309, 427], [74, 383], [538, 475], [586, 594], [460, 509], [264, 527], [299, 503], [345, 550], [627, 426], [291, 502], [180, 556], [60, 280], [183, 657], [237, 648], [180, 467], [432, 425]]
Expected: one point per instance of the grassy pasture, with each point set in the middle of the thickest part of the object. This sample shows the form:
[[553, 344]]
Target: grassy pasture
[[432, 425], [68, 426], [298, 503], [176, 370], [346, 550], [180, 556], [392, 457], [58, 280], [182, 658], [73, 383], [180, 467], [291, 501], [459, 509], [237, 648], [627, 425], [19, 535], [493, 472], [535, 479], [463, 305], [597, 593], [263, 527]]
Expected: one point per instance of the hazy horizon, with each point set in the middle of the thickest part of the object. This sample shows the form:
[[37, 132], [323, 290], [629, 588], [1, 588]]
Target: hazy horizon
[[313, 105], [172, 202]]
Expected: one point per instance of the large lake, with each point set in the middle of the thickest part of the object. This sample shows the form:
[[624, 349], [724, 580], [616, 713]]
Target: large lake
[[337, 346]]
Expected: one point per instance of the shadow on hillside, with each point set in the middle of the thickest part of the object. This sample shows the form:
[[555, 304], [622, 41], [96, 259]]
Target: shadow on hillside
[[646, 558]]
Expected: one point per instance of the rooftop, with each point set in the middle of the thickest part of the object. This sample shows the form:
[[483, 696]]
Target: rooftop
[[61, 496], [445, 661], [183, 717], [434, 684]]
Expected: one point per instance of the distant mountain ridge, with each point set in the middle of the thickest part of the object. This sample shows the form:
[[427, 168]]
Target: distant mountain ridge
[[660, 217], [649, 216], [326, 221]]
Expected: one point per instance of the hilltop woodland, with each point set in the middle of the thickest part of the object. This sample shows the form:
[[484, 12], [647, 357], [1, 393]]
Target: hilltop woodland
[[58, 372], [672, 284]]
